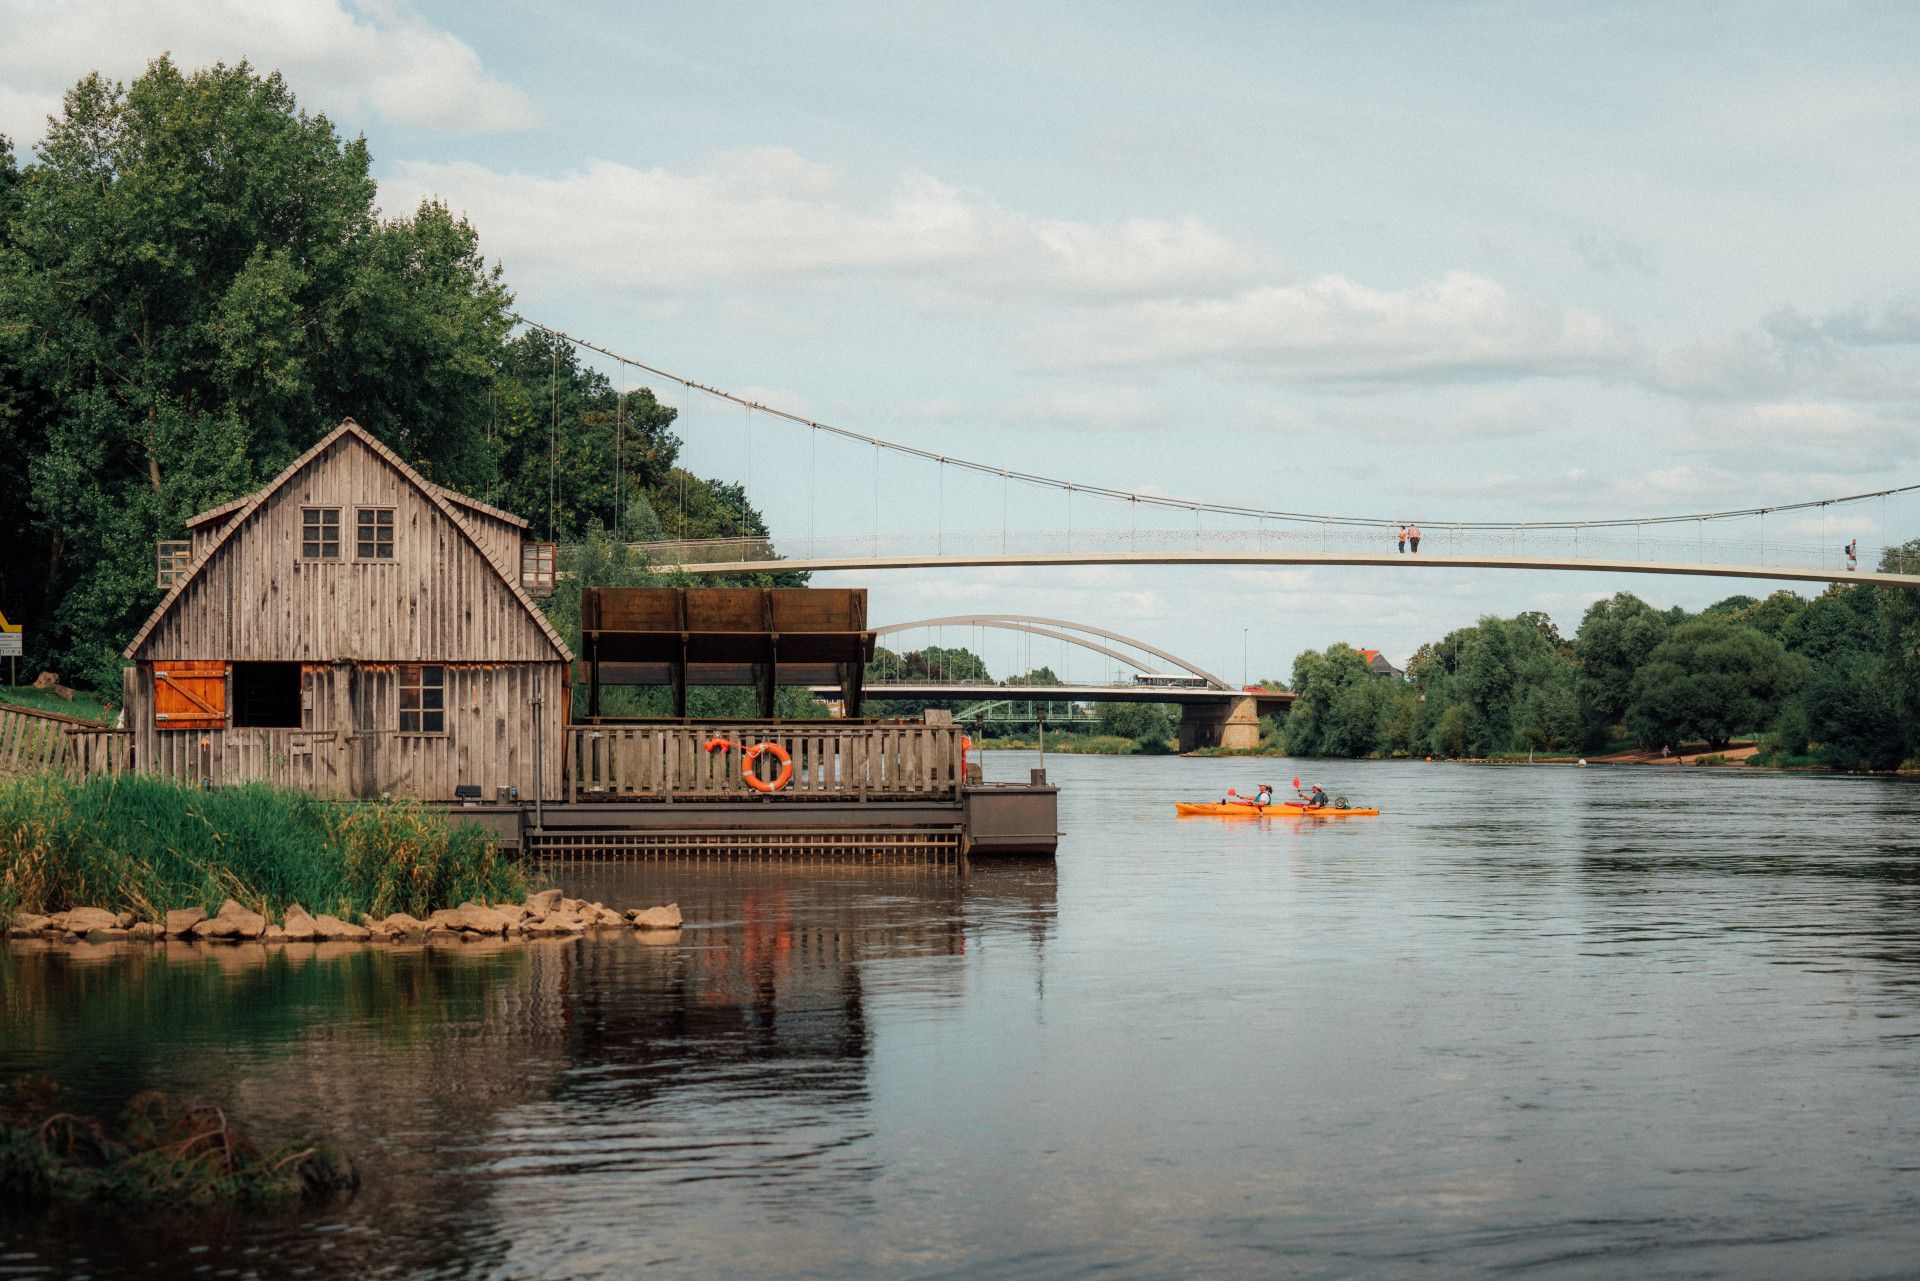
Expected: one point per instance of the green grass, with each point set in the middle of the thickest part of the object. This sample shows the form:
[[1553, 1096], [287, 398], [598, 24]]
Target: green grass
[[85, 706], [146, 845]]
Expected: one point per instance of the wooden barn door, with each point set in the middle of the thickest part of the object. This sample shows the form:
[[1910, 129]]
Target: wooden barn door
[[363, 736]]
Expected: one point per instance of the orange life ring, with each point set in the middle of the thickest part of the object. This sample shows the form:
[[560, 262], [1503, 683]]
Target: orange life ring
[[778, 753]]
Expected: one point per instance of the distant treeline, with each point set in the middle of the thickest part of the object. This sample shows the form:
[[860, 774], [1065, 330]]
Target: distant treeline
[[196, 284], [1834, 680]]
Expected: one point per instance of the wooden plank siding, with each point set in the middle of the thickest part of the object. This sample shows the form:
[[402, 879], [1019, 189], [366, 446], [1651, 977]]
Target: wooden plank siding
[[669, 762], [439, 599], [447, 597], [349, 742]]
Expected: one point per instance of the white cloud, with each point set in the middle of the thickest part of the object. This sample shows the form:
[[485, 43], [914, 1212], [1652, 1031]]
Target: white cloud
[[1861, 353], [1107, 406], [1461, 327], [770, 216], [345, 58], [1831, 437]]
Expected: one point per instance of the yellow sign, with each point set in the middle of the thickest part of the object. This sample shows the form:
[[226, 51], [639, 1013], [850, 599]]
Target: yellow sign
[[5, 626]]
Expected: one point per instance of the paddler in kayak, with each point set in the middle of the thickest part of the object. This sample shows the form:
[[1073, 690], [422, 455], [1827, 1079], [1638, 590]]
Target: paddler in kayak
[[1263, 797], [1314, 799]]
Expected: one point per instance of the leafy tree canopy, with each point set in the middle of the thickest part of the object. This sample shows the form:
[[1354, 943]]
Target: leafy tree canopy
[[1711, 679]]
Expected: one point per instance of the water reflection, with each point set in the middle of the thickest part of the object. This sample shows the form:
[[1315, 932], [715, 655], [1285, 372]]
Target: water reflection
[[480, 1085]]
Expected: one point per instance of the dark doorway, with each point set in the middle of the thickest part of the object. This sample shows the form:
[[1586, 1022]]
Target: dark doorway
[[266, 695]]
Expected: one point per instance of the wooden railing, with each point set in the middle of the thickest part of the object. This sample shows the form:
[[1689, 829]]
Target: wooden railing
[[99, 751], [670, 762]]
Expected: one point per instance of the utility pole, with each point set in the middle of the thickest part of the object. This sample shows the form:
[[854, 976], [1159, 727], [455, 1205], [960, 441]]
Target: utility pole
[[1243, 658]]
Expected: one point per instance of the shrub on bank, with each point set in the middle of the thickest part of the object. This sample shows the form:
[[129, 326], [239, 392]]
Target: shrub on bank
[[146, 845]]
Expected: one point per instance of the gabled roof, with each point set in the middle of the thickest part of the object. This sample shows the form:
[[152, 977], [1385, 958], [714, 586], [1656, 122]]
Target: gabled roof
[[440, 498], [459, 499], [215, 513], [453, 496]]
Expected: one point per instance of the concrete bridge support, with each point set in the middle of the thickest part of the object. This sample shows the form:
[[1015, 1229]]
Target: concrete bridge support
[[1234, 723]]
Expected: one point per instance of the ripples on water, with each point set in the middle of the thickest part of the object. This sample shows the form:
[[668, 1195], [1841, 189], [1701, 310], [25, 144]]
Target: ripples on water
[[1570, 1022]]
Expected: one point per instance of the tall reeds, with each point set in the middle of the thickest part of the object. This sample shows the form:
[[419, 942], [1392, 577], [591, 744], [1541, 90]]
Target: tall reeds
[[146, 845]]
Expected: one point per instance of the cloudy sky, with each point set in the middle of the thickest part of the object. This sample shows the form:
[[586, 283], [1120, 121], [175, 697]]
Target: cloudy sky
[[1450, 262]]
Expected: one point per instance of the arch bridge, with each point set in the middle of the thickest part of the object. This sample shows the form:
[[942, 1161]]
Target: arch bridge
[[1213, 713]]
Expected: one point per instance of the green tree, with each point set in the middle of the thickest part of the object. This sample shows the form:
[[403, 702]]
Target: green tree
[[1898, 610], [1850, 718], [1335, 711], [1615, 637], [1150, 725], [193, 287], [1711, 679], [1502, 663]]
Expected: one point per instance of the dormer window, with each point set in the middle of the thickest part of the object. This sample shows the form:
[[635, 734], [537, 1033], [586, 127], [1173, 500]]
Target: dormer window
[[373, 533], [319, 533]]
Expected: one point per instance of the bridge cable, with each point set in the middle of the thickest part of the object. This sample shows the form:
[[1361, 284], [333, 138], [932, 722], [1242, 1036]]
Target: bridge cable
[[1187, 504]]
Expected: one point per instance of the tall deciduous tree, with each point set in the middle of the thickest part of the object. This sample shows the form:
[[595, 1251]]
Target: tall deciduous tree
[[1711, 679], [194, 285]]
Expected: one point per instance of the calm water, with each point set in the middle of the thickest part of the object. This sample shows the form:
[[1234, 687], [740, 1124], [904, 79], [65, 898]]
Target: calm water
[[1624, 1023]]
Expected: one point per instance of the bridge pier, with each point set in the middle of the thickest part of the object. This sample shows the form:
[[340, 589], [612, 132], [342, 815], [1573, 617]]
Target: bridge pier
[[1234, 723]]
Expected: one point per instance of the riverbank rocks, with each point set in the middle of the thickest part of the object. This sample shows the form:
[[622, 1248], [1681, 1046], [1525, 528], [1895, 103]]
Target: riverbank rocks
[[548, 914], [332, 927], [85, 920], [232, 921], [655, 918], [181, 920]]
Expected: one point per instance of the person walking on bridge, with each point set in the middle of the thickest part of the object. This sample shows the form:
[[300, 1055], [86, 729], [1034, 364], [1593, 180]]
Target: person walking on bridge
[[1413, 539], [1853, 554], [1403, 539]]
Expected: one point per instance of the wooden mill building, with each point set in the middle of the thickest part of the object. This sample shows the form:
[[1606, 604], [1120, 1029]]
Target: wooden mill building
[[353, 628]]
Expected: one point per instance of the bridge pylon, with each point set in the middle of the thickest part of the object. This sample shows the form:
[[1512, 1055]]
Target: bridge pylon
[[1233, 724]]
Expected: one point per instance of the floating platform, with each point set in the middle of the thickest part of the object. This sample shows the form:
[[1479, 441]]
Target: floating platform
[[981, 821]]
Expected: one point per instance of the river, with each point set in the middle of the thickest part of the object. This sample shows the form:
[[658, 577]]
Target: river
[[1567, 1022]]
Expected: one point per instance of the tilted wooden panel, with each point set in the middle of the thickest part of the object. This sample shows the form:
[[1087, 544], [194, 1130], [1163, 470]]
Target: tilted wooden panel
[[190, 693], [819, 609], [726, 609]]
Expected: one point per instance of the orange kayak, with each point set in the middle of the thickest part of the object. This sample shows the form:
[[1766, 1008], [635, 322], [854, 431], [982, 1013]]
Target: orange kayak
[[1279, 809]]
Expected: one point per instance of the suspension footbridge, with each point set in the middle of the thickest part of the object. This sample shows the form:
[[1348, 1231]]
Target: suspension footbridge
[[1850, 538]]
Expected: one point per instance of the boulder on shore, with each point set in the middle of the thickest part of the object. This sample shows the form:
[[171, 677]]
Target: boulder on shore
[[298, 925], [232, 921], [332, 927], [400, 924], [181, 920], [85, 920], [29, 925], [655, 918], [543, 902]]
